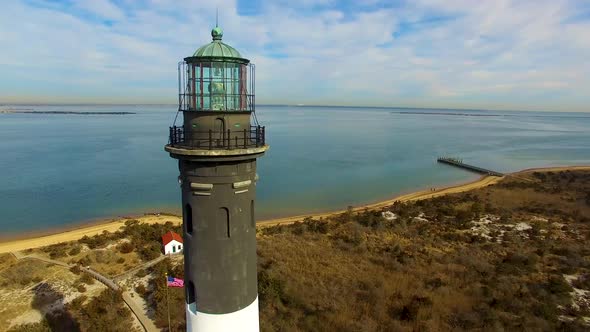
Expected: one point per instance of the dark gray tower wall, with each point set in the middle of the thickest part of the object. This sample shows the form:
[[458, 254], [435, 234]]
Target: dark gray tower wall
[[204, 121], [217, 128], [219, 233]]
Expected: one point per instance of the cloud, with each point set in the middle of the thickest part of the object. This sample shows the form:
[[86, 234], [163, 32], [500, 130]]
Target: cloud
[[436, 53], [101, 8]]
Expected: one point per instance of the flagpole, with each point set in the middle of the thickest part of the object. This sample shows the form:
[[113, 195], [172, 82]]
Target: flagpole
[[168, 302]]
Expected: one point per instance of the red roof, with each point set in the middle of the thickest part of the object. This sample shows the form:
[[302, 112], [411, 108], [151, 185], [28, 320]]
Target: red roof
[[166, 238]]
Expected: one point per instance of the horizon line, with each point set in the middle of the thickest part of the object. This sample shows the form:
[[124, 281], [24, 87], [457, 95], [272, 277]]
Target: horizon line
[[293, 105]]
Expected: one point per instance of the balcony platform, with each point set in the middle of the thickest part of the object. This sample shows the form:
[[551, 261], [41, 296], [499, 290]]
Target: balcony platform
[[180, 152]]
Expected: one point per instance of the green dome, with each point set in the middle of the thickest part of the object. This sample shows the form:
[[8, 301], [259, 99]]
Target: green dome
[[217, 48]]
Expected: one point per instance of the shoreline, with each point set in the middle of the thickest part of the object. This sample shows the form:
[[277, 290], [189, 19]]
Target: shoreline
[[29, 241]]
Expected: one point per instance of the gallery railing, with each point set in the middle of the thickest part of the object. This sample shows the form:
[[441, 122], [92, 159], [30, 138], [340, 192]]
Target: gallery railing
[[212, 140]]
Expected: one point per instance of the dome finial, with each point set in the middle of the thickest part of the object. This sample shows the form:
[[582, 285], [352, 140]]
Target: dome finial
[[217, 33]]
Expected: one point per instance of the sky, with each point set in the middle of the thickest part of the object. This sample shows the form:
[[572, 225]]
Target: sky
[[487, 54]]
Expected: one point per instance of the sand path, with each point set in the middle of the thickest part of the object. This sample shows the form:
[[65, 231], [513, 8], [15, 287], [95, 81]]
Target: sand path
[[112, 226]]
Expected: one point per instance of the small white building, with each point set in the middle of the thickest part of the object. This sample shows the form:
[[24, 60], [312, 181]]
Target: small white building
[[172, 243]]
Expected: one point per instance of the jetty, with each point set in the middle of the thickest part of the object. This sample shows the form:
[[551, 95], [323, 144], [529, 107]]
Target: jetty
[[459, 163]]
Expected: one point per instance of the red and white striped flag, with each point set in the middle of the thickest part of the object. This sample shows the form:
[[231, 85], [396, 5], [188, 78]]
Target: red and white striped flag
[[175, 282]]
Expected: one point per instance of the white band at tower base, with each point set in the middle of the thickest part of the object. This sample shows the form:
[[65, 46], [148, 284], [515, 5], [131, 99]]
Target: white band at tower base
[[245, 320]]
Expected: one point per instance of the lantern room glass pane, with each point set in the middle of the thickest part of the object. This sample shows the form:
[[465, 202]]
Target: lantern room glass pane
[[215, 86]]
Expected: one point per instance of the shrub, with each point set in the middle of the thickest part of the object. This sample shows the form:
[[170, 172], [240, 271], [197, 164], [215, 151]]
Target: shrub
[[316, 226], [582, 282], [150, 251], [298, 228], [106, 312], [141, 273], [42, 326], [557, 285], [81, 288], [87, 279], [477, 209], [76, 249], [85, 261], [75, 269], [272, 230], [77, 303], [57, 250], [350, 233], [97, 241], [462, 217], [517, 263], [141, 290], [270, 289], [104, 256], [126, 247]]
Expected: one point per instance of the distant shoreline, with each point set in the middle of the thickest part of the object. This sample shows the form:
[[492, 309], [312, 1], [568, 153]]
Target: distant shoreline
[[446, 113], [63, 112], [28, 240], [459, 109]]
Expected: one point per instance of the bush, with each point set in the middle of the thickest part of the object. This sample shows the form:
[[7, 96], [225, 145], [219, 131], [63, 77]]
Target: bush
[[270, 289], [77, 303], [517, 263], [350, 233], [57, 250], [81, 288], [150, 251], [76, 249], [477, 209], [104, 256], [106, 312], [141, 290], [97, 241], [462, 217], [85, 261], [23, 273], [75, 269], [316, 226], [582, 282], [557, 285], [298, 228], [272, 230], [141, 273], [126, 247], [42, 326], [87, 279]]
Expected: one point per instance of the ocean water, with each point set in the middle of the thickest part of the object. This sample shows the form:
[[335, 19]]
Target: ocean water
[[60, 170]]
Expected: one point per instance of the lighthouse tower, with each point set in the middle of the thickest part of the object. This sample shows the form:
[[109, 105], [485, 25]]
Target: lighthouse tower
[[216, 147]]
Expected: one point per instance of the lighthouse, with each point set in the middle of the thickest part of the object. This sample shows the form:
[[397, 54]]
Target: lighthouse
[[217, 145]]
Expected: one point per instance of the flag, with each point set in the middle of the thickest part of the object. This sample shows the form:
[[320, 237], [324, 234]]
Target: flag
[[175, 282]]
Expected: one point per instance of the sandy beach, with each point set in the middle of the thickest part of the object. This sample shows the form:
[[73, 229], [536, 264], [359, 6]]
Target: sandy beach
[[114, 225]]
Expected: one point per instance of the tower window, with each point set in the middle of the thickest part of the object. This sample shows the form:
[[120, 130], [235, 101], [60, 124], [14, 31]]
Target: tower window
[[188, 218], [190, 293], [223, 223]]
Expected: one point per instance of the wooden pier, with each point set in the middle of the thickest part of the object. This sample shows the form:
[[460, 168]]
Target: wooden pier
[[459, 163]]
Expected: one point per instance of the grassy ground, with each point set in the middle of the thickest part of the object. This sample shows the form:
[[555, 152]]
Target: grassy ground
[[31, 290], [508, 257], [430, 270]]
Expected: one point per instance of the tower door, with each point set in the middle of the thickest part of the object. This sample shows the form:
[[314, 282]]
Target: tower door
[[219, 130]]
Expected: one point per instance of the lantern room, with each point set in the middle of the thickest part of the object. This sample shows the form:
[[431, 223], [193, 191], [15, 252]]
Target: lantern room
[[216, 78]]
